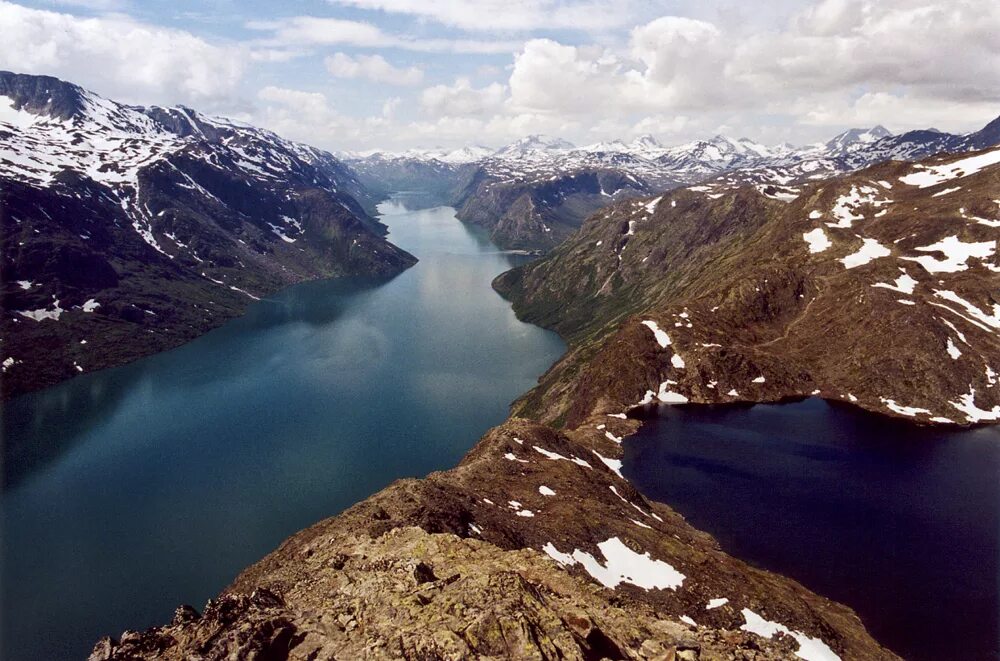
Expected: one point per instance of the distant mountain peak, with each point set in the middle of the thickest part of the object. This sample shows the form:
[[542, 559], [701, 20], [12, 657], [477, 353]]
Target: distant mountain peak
[[536, 142], [42, 95], [856, 136], [646, 140]]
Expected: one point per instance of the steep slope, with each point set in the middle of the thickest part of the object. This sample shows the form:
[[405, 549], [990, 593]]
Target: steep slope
[[130, 230], [878, 288], [533, 547], [537, 210]]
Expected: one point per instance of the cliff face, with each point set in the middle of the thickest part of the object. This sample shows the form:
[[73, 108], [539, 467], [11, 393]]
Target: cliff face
[[533, 547], [878, 289], [128, 230]]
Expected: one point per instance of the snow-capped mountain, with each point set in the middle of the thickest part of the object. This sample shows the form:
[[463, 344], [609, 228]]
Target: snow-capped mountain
[[127, 230], [541, 157], [535, 191], [458, 156], [720, 153], [534, 147], [853, 139]]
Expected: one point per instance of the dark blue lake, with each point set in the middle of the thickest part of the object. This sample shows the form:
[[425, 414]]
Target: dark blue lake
[[901, 523], [162, 479]]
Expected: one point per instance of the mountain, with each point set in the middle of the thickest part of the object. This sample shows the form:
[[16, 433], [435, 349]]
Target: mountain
[[531, 210], [853, 138], [533, 147], [502, 190], [387, 173], [695, 160], [877, 288], [129, 230]]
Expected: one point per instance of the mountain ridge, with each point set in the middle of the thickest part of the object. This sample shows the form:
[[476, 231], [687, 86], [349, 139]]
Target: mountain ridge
[[129, 230], [875, 288], [503, 190]]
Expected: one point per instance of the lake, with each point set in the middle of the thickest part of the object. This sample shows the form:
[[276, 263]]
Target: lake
[[897, 521], [133, 490]]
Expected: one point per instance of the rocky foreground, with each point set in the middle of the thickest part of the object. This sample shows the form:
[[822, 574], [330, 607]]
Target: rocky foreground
[[534, 547]]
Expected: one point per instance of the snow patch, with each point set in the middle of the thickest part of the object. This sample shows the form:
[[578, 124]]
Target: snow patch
[[870, 250], [661, 337], [810, 649], [817, 240], [935, 174], [903, 410], [622, 565], [614, 464], [967, 404], [904, 284], [956, 252]]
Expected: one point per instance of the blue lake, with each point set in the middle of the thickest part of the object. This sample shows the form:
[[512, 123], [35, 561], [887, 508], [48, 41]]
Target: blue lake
[[901, 523], [133, 490]]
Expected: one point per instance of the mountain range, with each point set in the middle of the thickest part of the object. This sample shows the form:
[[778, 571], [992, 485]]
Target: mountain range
[[536, 191], [864, 271], [129, 230]]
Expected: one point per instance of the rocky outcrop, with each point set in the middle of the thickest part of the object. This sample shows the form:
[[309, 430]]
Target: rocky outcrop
[[127, 231], [877, 289], [533, 547]]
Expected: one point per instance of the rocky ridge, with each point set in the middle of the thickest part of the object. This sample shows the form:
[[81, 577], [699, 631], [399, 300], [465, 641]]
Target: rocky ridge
[[131, 230], [533, 547]]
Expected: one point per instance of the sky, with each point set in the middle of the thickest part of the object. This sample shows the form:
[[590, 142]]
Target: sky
[[399, 74]]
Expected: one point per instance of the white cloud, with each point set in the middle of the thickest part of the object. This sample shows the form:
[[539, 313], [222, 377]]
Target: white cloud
[[946, 49], [462, 99], [311, 30], [310, 104], [836, 61], [120, 57], [389, 107], [309, 117], [899, 111], [798, 73], [682, 65], [372, 67], [299, 31], [509, 15], [552, 77]]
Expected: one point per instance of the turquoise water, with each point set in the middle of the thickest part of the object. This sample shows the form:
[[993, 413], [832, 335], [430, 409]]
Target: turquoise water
[[136, 489]]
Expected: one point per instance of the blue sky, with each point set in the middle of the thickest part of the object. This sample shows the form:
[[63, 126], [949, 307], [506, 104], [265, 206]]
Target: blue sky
[[396, 74]]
